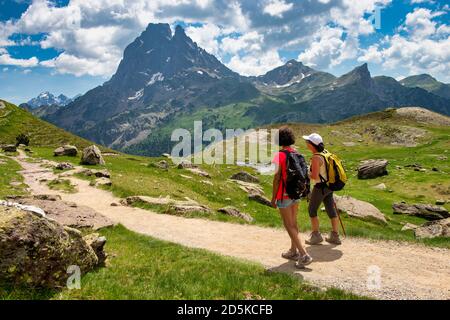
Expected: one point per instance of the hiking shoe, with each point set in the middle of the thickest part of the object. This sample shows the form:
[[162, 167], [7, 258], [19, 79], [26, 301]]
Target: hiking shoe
[[333, 238], [303, 261], [315, 238], [290, 255]]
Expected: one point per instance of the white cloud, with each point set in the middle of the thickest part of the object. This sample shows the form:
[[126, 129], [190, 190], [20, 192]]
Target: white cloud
[[422, 46], [206, 36], [255, 63], [329, 48], [6, 59], [276, 8]]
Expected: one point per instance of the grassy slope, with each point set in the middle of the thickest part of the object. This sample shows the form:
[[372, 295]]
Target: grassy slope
[[15, 120], [146, 268]]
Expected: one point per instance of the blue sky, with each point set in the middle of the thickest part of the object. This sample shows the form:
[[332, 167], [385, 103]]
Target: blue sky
[[72, 46]]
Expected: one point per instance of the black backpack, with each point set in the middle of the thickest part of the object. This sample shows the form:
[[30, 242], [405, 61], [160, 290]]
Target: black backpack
[[297, 179]]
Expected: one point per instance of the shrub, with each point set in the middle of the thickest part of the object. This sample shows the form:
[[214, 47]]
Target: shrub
[[22, 139]]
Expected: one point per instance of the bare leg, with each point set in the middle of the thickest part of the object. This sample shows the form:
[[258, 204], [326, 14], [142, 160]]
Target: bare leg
[[315, 224], [335, 224], [286, 214]]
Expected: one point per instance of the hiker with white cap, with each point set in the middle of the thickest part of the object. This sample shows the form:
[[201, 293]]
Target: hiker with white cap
[[327, 175]]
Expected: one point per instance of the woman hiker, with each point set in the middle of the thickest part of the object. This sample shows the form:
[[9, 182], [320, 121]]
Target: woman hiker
[[288, 207], [320, 193]]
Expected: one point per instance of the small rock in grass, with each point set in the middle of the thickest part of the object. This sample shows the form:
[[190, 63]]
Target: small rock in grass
[[244, 176], [440, 202], [234, 212], [380, 186], [409, 226]]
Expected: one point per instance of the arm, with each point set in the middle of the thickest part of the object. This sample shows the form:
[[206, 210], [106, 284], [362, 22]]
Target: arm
[[276, 185], [315, 167]]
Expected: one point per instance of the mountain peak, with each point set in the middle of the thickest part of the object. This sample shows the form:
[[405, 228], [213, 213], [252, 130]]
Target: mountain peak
[[360, 75], [154, 29], [291, 72]]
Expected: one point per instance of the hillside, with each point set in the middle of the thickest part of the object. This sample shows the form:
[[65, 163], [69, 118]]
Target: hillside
[[427, 82], [15, 120]]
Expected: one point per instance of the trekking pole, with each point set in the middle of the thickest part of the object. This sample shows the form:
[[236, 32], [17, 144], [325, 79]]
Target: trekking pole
[[340, 220]]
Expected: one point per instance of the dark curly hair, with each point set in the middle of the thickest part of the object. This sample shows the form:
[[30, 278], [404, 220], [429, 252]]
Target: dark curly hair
[[286, 136]]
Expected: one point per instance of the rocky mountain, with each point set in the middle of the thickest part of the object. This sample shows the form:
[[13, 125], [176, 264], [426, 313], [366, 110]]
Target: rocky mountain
[[166, 81], [427, 82], [48, 99]]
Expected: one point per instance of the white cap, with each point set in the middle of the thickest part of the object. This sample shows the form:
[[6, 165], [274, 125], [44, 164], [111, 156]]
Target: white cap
[[315, 138]]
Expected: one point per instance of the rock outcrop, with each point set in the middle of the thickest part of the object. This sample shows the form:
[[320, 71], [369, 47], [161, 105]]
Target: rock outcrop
[[427, 211], [36, 251], [92, 156], [234, 212], [244, 176], [370, 169], [67, 150], [171, 205], [65, 213], [433, 229], [359, 209]]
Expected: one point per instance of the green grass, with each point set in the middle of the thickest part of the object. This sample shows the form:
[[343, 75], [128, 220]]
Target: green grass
[[62, 185], [11, 182], [15, 120], [146, 268]]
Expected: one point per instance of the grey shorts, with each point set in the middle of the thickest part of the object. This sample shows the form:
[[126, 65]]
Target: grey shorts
[[285, 203], [321, 195]]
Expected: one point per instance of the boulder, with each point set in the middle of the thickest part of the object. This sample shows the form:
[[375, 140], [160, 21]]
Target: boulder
[[67, 150], [433, 229], [92, 156], [183, 209], [36, 251], [9, 148], [244, 176], [260, 198], [370, 169], [232, 211], [97, 243], [359, 209], [66, 213], [64, 166], [440, 202], [427, 211]]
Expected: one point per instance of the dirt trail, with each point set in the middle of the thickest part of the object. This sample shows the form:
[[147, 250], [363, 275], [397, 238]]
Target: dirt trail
[[406, 271]]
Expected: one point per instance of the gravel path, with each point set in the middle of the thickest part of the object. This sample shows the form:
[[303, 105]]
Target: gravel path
[[399, 270]]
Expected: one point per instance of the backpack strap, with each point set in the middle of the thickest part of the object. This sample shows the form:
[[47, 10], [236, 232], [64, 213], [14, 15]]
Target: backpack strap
[[323, 181], [283, 188]]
